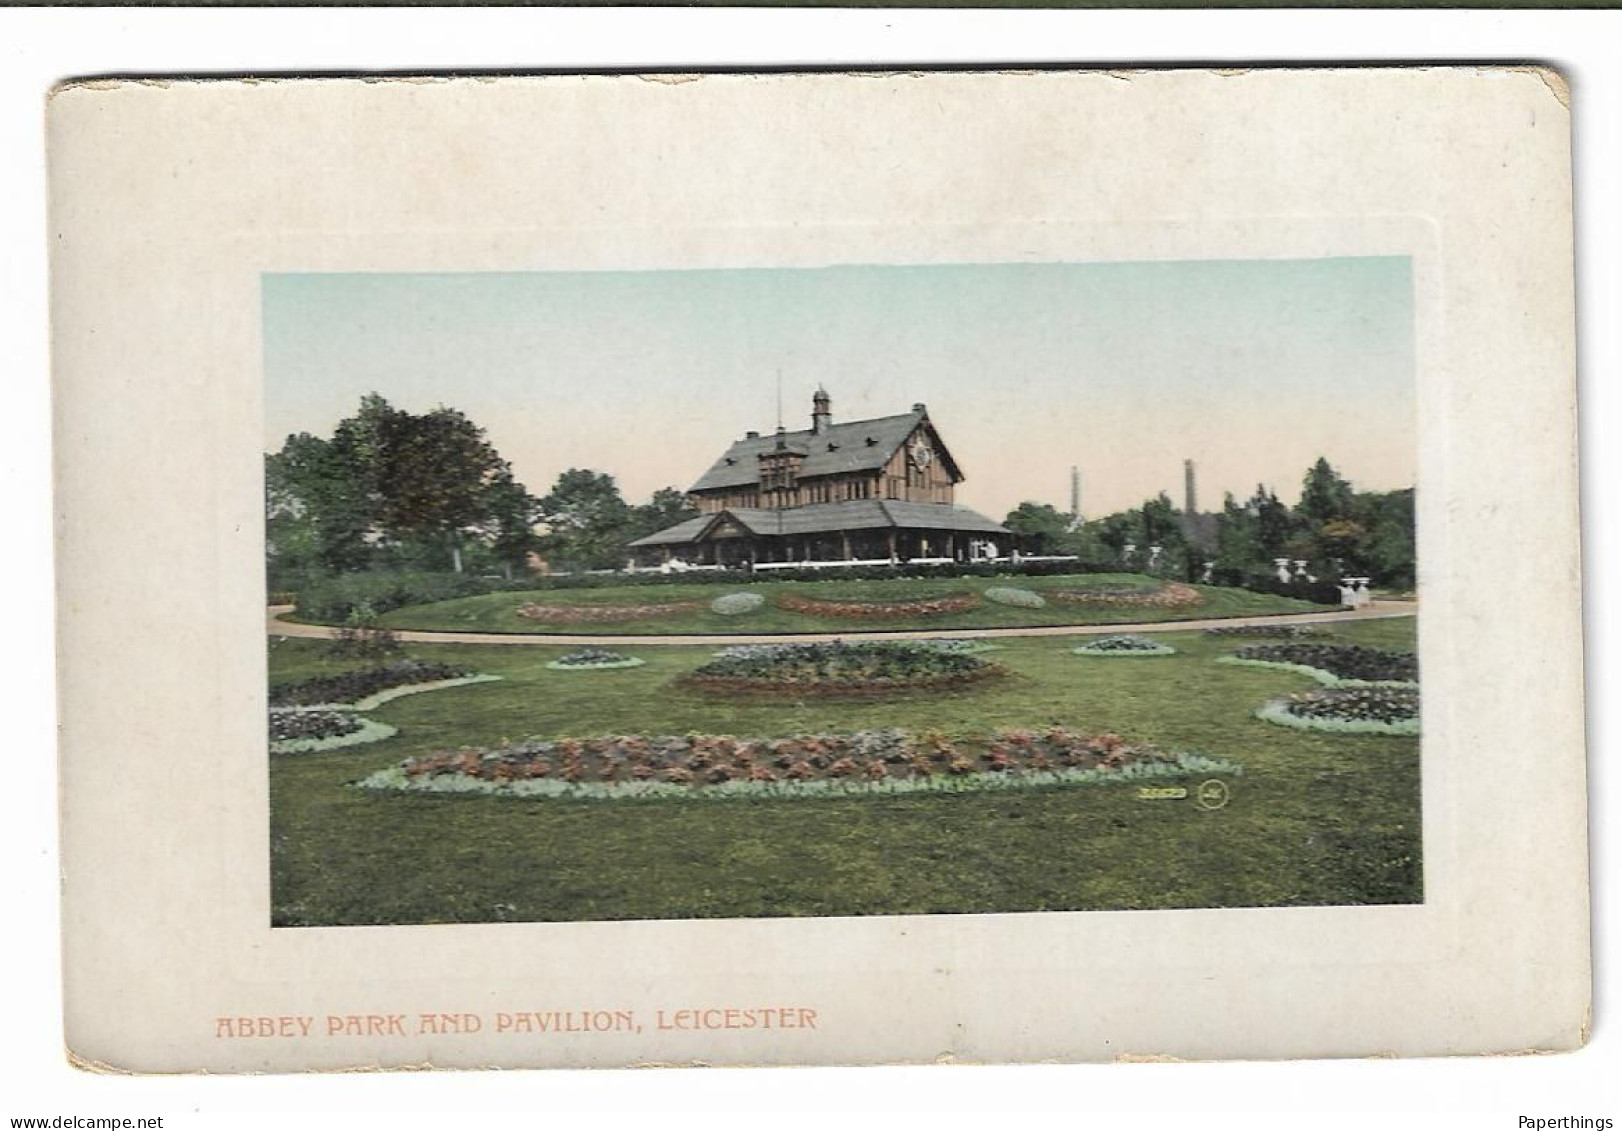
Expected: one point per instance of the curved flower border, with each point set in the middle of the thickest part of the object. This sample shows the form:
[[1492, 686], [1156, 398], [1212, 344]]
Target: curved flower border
[[370, 731], [1184, 765], [1278, 711], [1328, 679]]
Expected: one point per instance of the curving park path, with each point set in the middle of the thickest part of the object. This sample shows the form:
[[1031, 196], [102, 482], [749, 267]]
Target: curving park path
[[1376, 610]]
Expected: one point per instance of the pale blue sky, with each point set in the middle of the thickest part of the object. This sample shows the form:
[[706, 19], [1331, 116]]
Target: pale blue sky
[[1251, 368]]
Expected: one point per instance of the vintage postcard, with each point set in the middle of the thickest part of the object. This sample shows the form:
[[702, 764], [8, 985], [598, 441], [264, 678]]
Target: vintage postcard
[[818, 568]]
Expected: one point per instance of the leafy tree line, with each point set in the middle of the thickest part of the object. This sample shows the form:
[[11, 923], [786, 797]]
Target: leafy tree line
[[1338, 530], [392, 489]]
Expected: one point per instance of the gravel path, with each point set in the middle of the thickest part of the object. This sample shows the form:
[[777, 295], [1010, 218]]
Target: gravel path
[[1374, 611]]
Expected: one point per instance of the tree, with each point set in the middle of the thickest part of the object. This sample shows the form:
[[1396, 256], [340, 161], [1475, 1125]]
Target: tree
[[390, 480], [1040, 527], [668, 507], [434, 474], [1325, 496], [589, 523]]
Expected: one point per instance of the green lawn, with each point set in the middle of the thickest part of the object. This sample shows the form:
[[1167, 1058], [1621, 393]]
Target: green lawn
[[498, 612], [1315, 819]]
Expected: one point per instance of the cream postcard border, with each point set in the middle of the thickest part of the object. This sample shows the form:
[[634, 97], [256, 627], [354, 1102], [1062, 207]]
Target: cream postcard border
[[169, 201]]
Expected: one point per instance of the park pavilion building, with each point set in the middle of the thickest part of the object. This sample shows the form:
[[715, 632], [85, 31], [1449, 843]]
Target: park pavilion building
[[867, 490]]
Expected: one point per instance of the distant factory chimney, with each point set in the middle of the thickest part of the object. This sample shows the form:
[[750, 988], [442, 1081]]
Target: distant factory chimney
[[1075, 495], [822, 416], [1190, 505]]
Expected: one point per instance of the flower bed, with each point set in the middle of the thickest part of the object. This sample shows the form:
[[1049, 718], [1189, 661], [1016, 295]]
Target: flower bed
[[1270, 631], [1336, 665], [1018, 598], [840, 667], [1123, 645], [603, 614], [1169, 596], [961, 646], [594, 659], [708, 766], [310, 730], [864, 610], [1348, 710], [736, 604], [353, 687]]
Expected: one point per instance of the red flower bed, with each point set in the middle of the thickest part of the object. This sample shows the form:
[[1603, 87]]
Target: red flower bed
[[603, 614], [1172, 595], [861, 610], [712, 759]]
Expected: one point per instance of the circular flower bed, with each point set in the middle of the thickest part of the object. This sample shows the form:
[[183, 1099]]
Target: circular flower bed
[[603, 614], [1172, 595], [594, 660], [366, 688], [705, 766], [1336, 665], [1124, 645], [1270, 631], [1348, 710], [1018, 598], [736, 604], [309, 730], [863, 610], [841, 667]]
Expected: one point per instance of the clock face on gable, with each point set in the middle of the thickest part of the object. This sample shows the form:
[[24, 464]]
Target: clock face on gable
[[920, 453]]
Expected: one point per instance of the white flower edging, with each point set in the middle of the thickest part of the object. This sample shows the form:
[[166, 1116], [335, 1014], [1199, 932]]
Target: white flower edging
[[1278, 711], [1328, 679], [377, 699], [628, 662], [370, 731], [1186, 765], [390, 694]]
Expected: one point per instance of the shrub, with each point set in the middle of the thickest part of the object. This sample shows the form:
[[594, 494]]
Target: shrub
[[736, 604], [332, 599], [1019, 598], [353, 686], [361, 637]]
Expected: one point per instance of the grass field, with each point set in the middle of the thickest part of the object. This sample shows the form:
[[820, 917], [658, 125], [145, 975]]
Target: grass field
[[1315, 819], [498, 612]]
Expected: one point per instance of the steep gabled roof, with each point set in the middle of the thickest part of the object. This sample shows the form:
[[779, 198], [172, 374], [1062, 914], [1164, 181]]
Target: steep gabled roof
[[826, 518], [858, 445]]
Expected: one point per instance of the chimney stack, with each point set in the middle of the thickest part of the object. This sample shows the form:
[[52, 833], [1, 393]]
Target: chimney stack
[[1189, 504], [1075, 495], [821, 412]]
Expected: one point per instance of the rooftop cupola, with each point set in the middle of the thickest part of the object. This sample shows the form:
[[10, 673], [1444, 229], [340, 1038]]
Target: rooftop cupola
[[822, 416]]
